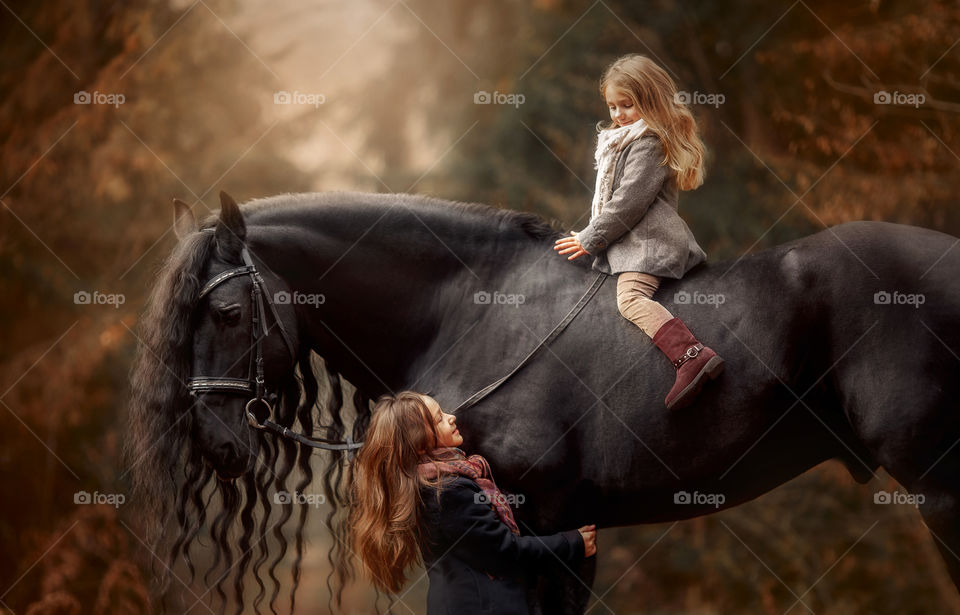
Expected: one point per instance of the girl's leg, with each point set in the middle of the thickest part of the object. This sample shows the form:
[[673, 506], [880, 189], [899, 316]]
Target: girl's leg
[[634, 300], [694, 362]]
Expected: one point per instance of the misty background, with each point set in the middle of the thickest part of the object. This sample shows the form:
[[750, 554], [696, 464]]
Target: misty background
[[813, 113]]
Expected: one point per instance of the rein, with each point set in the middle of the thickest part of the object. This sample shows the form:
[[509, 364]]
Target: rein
[[490, 388], [260, 411]]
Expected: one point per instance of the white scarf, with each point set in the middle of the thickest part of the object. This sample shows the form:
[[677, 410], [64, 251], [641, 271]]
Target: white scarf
[[609, 145]]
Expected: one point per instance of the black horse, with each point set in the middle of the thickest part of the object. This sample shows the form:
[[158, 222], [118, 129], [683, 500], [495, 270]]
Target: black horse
[[839, 345]]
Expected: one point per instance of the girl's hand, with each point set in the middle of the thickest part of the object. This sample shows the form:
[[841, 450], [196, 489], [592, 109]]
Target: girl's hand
[[566, 245], [589, 533]]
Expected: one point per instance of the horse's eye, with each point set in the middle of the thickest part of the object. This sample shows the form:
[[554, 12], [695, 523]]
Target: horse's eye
[[228, 315]]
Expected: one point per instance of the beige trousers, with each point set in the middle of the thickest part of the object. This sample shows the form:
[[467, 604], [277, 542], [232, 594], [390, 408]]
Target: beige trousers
[[634, 300]]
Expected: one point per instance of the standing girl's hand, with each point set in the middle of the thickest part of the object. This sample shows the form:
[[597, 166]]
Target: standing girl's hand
[[570, 244], [589, 533]]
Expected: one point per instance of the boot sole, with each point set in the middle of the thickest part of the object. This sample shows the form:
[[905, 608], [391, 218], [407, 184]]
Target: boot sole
[[711, 370]]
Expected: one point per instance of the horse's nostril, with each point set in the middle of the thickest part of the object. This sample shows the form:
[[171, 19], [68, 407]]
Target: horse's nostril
[[230, 463], [227, 452]]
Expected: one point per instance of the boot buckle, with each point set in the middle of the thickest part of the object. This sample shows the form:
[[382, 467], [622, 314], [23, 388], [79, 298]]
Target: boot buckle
[[691, 353]]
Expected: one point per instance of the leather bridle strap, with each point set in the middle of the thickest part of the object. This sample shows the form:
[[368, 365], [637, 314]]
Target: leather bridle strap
[[330, 445], [205, 384], [222, 277], [255, 384], [261, 286]]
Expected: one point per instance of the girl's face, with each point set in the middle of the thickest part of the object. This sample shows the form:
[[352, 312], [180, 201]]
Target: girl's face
[[622, 109], [447, 433]]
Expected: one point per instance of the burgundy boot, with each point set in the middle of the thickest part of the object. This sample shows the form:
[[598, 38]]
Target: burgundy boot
[[694, 362]]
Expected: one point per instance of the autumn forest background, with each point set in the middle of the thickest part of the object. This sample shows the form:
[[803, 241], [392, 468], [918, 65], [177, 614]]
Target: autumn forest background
[[814, 113]]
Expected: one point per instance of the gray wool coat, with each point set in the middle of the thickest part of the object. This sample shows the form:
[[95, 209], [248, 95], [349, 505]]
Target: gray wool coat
[[638, 227]]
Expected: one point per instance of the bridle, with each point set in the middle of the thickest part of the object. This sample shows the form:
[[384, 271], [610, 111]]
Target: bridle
[[254, 383]]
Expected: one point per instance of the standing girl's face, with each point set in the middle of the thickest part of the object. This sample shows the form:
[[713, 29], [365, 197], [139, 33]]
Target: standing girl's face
[[447, 433], [622, 109]]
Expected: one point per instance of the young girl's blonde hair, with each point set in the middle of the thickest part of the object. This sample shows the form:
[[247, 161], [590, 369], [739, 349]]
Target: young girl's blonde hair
[[654, 94]]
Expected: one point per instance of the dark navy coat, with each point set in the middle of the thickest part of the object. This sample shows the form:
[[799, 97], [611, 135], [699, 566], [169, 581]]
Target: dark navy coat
[[463, 539]]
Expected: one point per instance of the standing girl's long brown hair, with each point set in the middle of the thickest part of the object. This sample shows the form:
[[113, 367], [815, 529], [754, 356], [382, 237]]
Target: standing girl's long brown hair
[[385, 497]]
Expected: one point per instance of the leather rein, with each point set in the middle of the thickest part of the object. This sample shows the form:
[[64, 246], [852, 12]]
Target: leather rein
[[254, 383]]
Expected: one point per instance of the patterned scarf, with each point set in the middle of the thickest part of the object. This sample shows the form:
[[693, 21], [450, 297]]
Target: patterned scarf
[[609, 145], [452, 460]]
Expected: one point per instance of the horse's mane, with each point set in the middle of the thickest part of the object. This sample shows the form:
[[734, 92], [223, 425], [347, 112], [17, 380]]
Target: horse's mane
[[496, 218]]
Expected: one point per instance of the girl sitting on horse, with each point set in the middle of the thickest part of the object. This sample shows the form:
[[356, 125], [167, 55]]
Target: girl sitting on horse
[[648, 152]]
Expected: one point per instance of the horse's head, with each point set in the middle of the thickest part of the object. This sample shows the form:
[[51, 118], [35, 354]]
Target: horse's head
[[244, 344]]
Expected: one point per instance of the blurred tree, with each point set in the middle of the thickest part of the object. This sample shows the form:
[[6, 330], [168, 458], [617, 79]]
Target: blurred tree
[[85, 191], [86, 206]]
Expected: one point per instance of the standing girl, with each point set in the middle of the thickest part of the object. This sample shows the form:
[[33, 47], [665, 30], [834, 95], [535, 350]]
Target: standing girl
[[417, 496], [648, 152]]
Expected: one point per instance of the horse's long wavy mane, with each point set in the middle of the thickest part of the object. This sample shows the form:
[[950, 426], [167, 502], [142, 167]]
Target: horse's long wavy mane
[[496, 219], [173, 485]]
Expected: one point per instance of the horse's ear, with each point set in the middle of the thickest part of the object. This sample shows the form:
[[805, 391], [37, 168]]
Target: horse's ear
[[231, 229], [184, 222]]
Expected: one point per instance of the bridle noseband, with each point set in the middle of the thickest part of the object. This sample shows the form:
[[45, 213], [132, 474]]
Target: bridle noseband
[[254, 383]]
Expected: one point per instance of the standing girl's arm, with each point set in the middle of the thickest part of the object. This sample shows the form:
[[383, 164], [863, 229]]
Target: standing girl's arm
[[467, 519], [643, 176]]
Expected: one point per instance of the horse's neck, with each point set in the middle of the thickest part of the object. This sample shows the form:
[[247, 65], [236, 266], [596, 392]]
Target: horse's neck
[[395, 292]]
